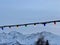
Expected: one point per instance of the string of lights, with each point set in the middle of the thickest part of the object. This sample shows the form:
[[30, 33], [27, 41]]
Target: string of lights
[[44, 23]]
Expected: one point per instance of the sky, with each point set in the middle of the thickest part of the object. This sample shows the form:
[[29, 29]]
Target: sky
[[27, 11]]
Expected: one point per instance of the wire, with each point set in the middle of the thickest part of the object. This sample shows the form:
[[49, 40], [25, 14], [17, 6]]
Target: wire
[[44, 23]]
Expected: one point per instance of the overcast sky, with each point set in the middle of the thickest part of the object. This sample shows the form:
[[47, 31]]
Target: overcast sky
[[26, 11]]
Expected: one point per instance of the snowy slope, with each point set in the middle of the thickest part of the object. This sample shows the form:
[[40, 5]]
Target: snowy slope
[[17, 38], [10, 38], [53, 39]]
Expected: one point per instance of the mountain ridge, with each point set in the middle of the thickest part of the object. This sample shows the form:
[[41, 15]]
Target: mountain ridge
[[14, 36]]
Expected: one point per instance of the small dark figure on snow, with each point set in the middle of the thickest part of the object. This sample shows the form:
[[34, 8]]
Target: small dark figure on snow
[[47, 43], [40, 41]]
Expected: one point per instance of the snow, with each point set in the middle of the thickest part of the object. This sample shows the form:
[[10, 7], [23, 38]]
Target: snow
[[17, 38]]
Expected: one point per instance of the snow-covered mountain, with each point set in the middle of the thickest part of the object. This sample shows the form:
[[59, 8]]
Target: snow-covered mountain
[[53, 39], [16, 38]]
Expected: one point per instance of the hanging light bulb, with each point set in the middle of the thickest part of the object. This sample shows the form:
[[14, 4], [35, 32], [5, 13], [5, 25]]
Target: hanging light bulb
[[44, 24], [55, 22], [17, 25], [25, 25], [9, 26], [34, 23]]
